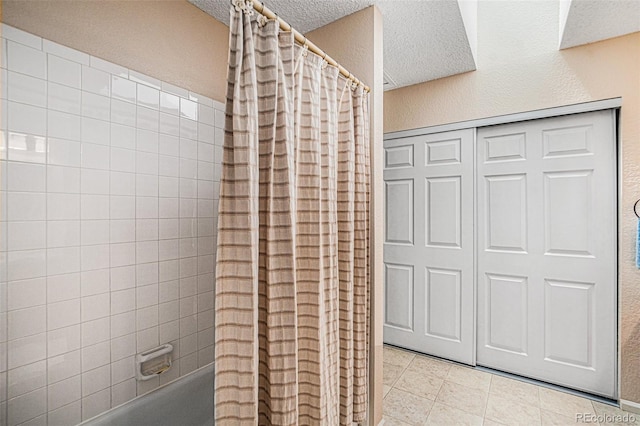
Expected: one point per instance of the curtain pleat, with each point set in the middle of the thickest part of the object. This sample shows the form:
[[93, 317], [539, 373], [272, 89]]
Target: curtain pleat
[[361, 287], [292, 285], [346, 228], [237, 261]]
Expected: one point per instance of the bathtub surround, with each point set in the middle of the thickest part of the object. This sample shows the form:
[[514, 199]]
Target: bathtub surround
[[107, 224], [293, 281]]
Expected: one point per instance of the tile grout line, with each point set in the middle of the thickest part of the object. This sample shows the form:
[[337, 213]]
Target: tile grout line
[[392, 386], [484, 412], [413, 358], [402, 372], [421, 396]]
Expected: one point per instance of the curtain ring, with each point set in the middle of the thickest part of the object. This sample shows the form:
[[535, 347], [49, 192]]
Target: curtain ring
[[635, 209], [325, 63], [262, 10], [262, 20], [239, 5], [248, 7]]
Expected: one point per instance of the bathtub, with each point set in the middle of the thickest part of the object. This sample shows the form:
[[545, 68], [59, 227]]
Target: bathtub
[[187, 401]]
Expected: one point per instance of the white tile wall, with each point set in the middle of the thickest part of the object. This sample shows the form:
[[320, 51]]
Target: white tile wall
[[109, 190]]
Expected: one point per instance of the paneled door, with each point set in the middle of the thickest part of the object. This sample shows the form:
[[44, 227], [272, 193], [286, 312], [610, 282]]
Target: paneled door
[[428, 250], [547, 250]]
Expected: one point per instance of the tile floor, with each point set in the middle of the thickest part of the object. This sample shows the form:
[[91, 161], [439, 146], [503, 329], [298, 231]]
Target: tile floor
[[421, 390]]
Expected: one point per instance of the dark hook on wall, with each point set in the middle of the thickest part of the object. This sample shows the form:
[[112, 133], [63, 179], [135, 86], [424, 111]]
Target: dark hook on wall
[[635, 210]]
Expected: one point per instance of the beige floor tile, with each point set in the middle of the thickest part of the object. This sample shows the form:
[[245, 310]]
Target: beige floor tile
[[549, 418], [614, 415], [430, 365], [488, 422], [444, 415], [406, 407], [397, 357], [419, 383], [385, 390], [468, 396], [515, 390], [469, 377], [512, 413], [563, 403], [471, 400], [390, 421], [390, 373]]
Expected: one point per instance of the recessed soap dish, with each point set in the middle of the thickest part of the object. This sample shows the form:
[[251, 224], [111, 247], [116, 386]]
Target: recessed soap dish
[[153, 362]]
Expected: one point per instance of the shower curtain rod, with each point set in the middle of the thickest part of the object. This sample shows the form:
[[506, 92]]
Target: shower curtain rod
[[263, 10]]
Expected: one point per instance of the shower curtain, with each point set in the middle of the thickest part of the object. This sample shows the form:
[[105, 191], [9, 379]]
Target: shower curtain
[[292, 284]]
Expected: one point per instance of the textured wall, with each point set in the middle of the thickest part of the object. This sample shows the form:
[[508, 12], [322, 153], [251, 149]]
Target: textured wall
[[171, 40], [355, 42], [521, 69]]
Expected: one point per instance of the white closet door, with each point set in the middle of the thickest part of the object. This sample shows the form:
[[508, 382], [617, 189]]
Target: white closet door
[[428, 251], [547, 250]]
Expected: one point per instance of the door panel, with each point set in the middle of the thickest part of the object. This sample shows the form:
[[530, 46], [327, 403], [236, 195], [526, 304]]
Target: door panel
[[429, 307], [507, 147], [506, 301], [399, 156], [567, 216], [443, 291], [547, 249], [443, 216], [399, 296], [399, 217], [506, 213], [568, 332]]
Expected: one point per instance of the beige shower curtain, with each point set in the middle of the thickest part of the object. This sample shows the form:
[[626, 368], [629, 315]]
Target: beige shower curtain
[[292, 288]]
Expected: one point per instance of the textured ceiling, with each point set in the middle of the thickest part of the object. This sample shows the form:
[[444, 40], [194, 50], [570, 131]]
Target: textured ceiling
[[423, 40], [586, 21], [304, 16], [429, 39]]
